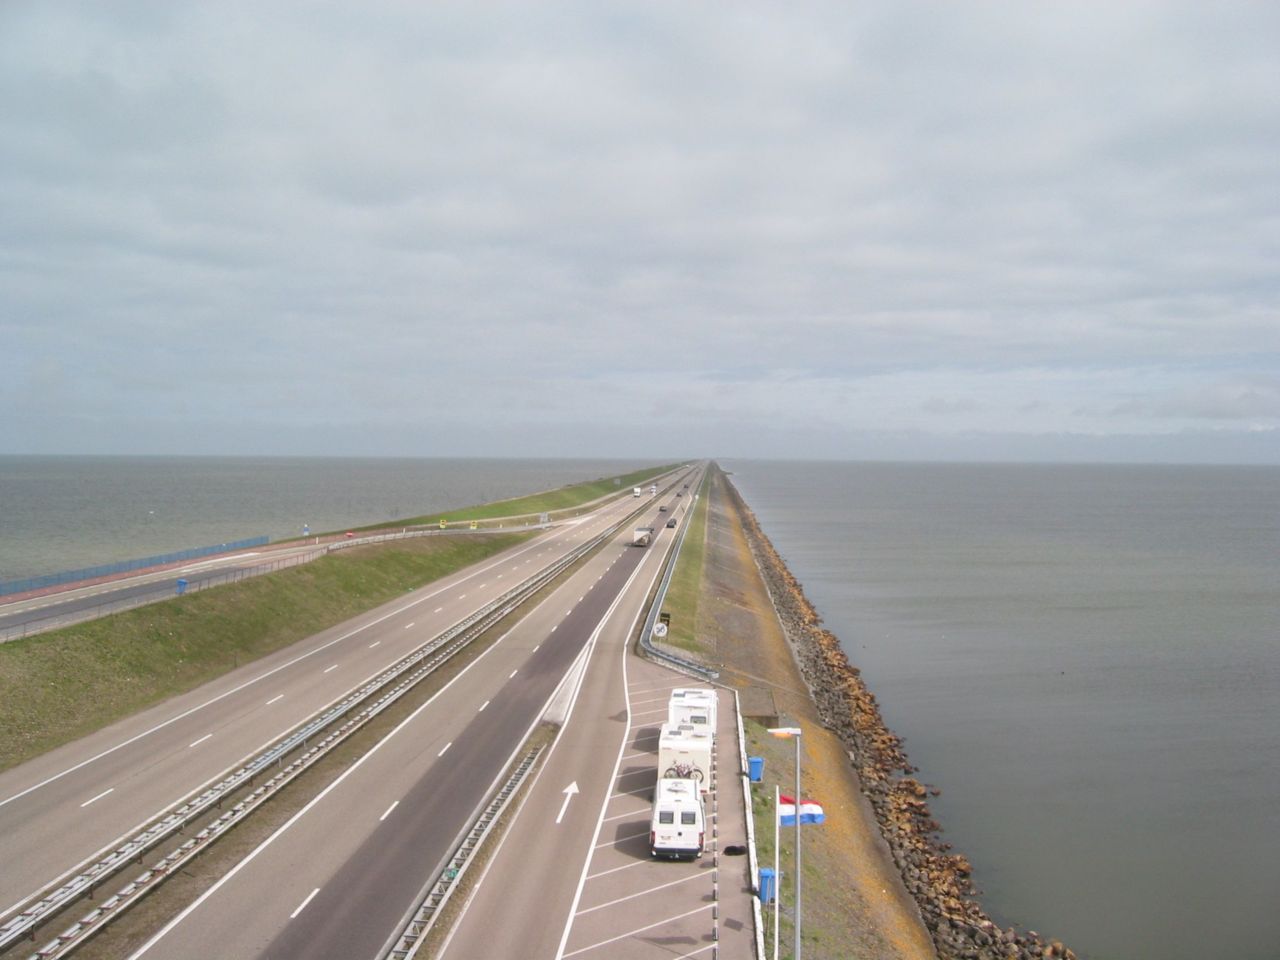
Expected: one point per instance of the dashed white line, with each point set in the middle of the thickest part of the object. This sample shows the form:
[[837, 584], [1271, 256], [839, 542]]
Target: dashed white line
[[535, 649], [553, 629], [463, 597], [408, 625], [389, 809], [483, 705], [303, 905], [334, 667], [278, 696], [207, 736], [98, 797], [482, 586], [374, 644], [514, 672], [446, 749], [437, 609]]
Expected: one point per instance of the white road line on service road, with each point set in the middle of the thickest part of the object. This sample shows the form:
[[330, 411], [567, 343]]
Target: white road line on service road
[[632, 933], [483, 705], [303, 905], [394, 804], [98, 797], [632, 896], [277, 697], [514, 672], [446, 749], [374, 644], [334, 667], [207, 736], [616, 840]]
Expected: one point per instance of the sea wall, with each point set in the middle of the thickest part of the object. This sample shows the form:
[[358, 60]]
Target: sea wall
[[938, 878]]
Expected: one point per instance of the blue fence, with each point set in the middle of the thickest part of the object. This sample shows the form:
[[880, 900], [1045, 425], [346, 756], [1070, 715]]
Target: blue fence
[[92, 573]]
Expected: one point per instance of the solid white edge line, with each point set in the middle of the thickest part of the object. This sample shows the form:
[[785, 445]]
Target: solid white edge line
[[394, 804], [303, 905]]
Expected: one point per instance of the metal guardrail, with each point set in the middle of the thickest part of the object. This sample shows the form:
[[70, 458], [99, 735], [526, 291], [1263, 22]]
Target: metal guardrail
[[415, 931], [50, 902], [646, 632]]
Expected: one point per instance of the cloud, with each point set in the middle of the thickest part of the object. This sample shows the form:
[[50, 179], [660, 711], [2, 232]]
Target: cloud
[[948, 218]]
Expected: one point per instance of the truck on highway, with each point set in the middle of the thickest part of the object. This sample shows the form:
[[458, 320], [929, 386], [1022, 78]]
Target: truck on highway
[[678, 826], [636, 491], [642, 536]]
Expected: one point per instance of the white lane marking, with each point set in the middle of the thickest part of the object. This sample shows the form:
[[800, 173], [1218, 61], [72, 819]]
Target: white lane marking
[[408, 625], [482, 586], [207, 736], [617, 840], [277, 697], [98, 797], [394, 804], [499, 576], [483, 705], [437, 609], [632, 896], [514, 672], [644, 812], [303, 905], [374, 644], [463, 597], [535, 649], [632, 933], [569, 792], [637, 756], [625, 866], [553, 629], [334, 667], [446, 749]]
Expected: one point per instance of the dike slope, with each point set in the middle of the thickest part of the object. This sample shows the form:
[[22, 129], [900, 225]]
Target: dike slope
[[938, 879]]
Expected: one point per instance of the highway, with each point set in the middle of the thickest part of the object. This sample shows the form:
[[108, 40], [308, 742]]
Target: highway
[[335, 880], [84, 798]]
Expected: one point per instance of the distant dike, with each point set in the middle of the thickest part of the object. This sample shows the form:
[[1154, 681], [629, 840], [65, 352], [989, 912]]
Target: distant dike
[[938, 879]]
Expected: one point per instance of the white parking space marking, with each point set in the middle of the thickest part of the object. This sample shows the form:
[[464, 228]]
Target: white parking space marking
[[632, 933], [303, 905], [446, 749], [328, 669], [207, 736], [278, 697], [98, 797], [394, 804], [617, 840], [632, 896], [624, 816], [625, 866]]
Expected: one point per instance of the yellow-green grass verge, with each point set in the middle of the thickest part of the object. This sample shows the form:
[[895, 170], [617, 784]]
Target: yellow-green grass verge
[[549, 501], [61, 685], [686, 581]]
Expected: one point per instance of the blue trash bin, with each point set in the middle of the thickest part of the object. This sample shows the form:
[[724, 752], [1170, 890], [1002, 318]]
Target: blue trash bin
[[755, 768], [182, 587], [768, 885]]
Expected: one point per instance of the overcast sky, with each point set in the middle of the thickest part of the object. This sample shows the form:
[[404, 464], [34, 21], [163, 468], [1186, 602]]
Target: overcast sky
[[887, 230]]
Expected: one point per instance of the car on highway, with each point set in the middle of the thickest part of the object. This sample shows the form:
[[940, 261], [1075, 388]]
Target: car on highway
[[663, 508], [671, 522]]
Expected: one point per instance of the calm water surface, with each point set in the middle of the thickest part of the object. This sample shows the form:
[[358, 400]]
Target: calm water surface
[[1087, 661], [64, 513]]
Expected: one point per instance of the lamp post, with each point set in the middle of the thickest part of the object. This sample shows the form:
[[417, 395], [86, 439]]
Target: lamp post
[[794, 733]]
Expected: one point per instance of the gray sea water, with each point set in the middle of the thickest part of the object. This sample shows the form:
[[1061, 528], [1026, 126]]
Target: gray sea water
[[1086, 659], [65, 513]]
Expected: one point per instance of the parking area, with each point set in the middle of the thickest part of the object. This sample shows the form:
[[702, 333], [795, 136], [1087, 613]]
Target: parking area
[[633, 906]]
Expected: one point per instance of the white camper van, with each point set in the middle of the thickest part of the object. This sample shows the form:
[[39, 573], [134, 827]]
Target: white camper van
[[679, 825], [684, 753], [693, 705]]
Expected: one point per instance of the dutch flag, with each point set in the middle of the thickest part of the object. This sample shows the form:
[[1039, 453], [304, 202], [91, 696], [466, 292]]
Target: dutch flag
[[810, 811]]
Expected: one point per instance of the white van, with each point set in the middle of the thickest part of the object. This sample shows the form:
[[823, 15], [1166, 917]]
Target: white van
[[693, 705], [679, 827]]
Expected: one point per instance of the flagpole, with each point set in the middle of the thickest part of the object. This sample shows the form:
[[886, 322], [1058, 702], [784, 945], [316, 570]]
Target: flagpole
[[777, 877], [798, 799]]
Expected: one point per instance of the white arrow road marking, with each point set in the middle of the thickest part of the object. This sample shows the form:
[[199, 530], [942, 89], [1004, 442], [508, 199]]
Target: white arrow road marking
[[569, 791]]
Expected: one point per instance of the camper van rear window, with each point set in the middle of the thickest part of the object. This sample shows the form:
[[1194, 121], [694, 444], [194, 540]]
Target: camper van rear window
[[688, 818], [666, 816]]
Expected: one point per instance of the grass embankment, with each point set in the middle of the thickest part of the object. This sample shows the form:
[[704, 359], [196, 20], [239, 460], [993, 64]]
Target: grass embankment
[[686, 581], [549, 501], [57, 686]]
